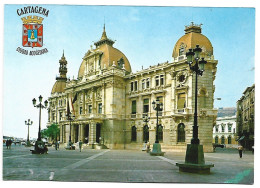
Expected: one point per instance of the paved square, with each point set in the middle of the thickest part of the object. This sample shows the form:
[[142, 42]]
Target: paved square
[[122, 166]]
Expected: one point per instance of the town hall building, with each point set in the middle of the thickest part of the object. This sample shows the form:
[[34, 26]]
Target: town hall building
[[110, 102]]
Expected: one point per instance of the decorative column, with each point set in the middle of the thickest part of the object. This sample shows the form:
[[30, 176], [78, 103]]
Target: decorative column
[[61, 133], [72, 133], [93, 100], [80, 133], [103, 98], [83, 102], [92, 133]]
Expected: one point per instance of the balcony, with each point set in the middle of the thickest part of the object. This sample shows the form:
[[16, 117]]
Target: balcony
[[90, 116], [181, 111]]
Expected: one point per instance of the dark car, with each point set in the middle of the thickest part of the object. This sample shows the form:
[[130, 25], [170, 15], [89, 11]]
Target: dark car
[[218, 146]]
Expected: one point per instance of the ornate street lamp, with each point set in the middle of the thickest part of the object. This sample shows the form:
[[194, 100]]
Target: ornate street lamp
[[146, 119], [194, 160], [198, 68], [28, 123], [39, 145], [156, 146]]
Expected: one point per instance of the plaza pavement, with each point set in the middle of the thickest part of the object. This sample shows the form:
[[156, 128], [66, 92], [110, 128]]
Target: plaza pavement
[[122, 166]]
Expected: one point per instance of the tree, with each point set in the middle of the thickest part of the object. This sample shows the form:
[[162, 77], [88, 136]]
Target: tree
[[51, 132]]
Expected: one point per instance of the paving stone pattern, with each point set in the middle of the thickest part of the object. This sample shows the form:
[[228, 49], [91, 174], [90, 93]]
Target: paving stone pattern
[[122, 166]]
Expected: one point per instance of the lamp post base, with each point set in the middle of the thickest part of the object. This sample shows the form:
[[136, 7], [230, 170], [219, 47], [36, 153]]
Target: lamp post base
[[195, 168], [194, 160], [39, 148], [28, 144], [157, 150]]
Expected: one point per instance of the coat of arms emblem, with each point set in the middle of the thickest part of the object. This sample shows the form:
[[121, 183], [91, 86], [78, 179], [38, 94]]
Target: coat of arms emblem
[[32, 31]]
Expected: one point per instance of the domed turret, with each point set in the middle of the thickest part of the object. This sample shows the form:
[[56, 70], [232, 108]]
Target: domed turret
[[60, 83], [103, 56], [192, 38]]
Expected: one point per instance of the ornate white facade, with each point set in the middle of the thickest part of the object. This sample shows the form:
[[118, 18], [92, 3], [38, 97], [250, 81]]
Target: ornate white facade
[[224, 132], [112, 101]]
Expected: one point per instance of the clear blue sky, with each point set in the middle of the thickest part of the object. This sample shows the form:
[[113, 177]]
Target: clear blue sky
[[146, 35]]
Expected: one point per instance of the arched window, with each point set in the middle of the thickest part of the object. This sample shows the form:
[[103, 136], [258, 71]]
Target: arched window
[[121, 63], [146, 133], [216, 140], [222, 140], [133, 138], [160, 133], [181, 132], [229, 139]]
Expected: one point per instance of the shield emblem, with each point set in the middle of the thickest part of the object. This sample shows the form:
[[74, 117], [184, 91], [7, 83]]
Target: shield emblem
[[32, 35]]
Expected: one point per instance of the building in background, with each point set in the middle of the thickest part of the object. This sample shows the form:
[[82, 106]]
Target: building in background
[[246, 117], [227, 111], [224, 132], [109, 101]]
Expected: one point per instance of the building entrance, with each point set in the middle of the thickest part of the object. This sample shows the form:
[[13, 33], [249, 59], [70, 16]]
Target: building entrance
[[76, 129], [86, 133], [98, 132]]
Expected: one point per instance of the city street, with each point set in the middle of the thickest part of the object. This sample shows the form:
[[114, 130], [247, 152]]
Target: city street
[[122, 166]]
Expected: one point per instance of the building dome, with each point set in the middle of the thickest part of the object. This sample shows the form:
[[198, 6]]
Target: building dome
[[192, 38], [58, 87], [107, 55]]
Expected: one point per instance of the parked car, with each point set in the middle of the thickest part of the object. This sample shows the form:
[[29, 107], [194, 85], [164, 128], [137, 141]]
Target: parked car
[[218, 146]]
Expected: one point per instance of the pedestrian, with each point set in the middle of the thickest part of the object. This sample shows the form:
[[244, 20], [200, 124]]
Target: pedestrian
[[58, 144], [240, 150], [7, 143], [148, 147], [80, 145], [10, 143]]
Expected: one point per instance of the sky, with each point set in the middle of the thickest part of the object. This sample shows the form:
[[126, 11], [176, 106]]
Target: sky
[[145, 34]]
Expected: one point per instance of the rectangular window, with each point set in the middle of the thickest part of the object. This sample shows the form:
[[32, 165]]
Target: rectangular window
[[229, 128], [136, 86], [181, 101], [160, 101], [60, 116], [100, 108], [80, 110], [132, 86], [90, 109], [143, 84], [146, 106], [157, 81], [162, 80], [53, 116], [133, 107], [147, 83]]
